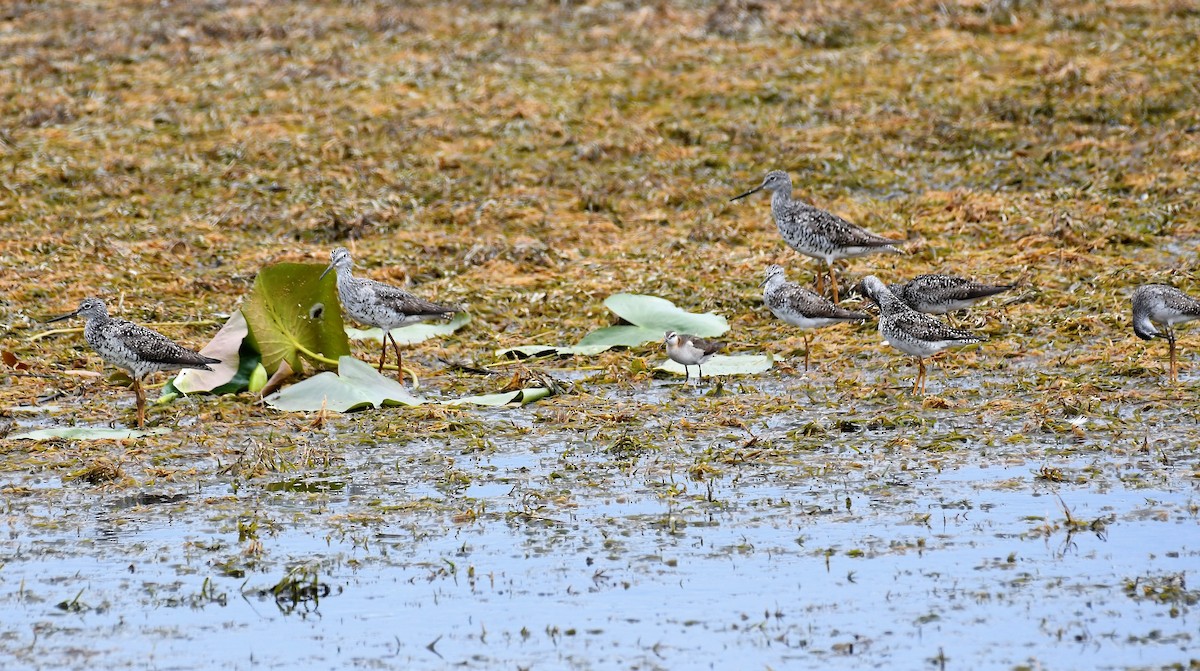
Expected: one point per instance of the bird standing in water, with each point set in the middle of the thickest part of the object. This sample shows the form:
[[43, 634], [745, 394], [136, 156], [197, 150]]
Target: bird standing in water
[[688, 350], [1165, 306]]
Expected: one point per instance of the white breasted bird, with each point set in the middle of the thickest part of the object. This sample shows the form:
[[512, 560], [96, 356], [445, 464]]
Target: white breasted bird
[[688, 350]]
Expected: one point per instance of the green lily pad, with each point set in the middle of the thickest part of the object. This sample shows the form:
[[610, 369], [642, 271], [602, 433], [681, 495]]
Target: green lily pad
[[744, 364], [519, 397], [355, 385], [86, 433], [293, 315], [649, 317], [619, 336], [661, 315], [238, 361], [411, 335], [358, 385]]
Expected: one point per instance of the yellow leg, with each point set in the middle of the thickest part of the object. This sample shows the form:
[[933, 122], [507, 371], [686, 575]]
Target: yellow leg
[[918, 383], [141, 403], [399, 359], [806, 348], [820, 282], [383, 352], [1174, 370], [832, 281]]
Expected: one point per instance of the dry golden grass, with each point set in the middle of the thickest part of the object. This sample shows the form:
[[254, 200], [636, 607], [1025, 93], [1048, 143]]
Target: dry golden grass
[[529, 159]]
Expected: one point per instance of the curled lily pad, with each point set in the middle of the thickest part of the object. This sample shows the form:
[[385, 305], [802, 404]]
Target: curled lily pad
[[358, 385], [232, 374], [519, 397], [355, 385], [85, 433], [411, 335], [649, 318], [739, 364], [661, 315]]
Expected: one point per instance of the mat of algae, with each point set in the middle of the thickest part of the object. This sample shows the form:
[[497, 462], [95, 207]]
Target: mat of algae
[[1037, 510]]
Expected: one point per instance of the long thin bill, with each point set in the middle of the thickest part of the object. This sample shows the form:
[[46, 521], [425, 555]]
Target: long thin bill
[[61, 317], [754, 190]]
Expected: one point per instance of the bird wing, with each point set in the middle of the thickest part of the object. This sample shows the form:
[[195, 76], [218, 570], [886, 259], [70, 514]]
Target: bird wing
[[706, 346], [845, 234], [926, 328], [152, 346], [406, 302], [810, 304], [951, 288], [1180, 302]]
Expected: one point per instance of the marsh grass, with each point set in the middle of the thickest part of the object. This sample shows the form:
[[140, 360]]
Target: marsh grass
[[527, 160]]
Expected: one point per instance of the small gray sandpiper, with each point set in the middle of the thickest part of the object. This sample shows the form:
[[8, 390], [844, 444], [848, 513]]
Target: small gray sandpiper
[[800, 307], [940, 294], [912, 332], [688, 350]]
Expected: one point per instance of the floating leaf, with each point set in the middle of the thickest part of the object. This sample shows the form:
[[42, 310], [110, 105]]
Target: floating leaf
[[745, 364], [85, 433], [411, 335], [651, 317], [618, 336], [238, 361], [661, 315], [292, 315], [519, 397], [356, 385]]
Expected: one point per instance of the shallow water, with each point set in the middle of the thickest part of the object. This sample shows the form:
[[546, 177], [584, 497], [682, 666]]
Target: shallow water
[[573, 549]]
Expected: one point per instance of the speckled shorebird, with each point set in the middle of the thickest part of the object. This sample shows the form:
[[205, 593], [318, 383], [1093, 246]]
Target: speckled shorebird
[[910, 331], [800, 307], [815, 232], [688, 350], [137, 349], [1165, 306], [939, 294], [381, 305]]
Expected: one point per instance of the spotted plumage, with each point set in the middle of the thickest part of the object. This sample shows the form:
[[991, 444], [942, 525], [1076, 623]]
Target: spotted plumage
[[381, 305], [939, 294], [1159, 305], [816, 233], [912, 332], [137, 349], [688, 350], [802, 308]]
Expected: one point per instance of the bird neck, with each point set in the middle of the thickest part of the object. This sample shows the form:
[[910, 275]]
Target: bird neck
[[781, 197], [889, 303], [94, 324], [1143, 328], [344, 274]]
